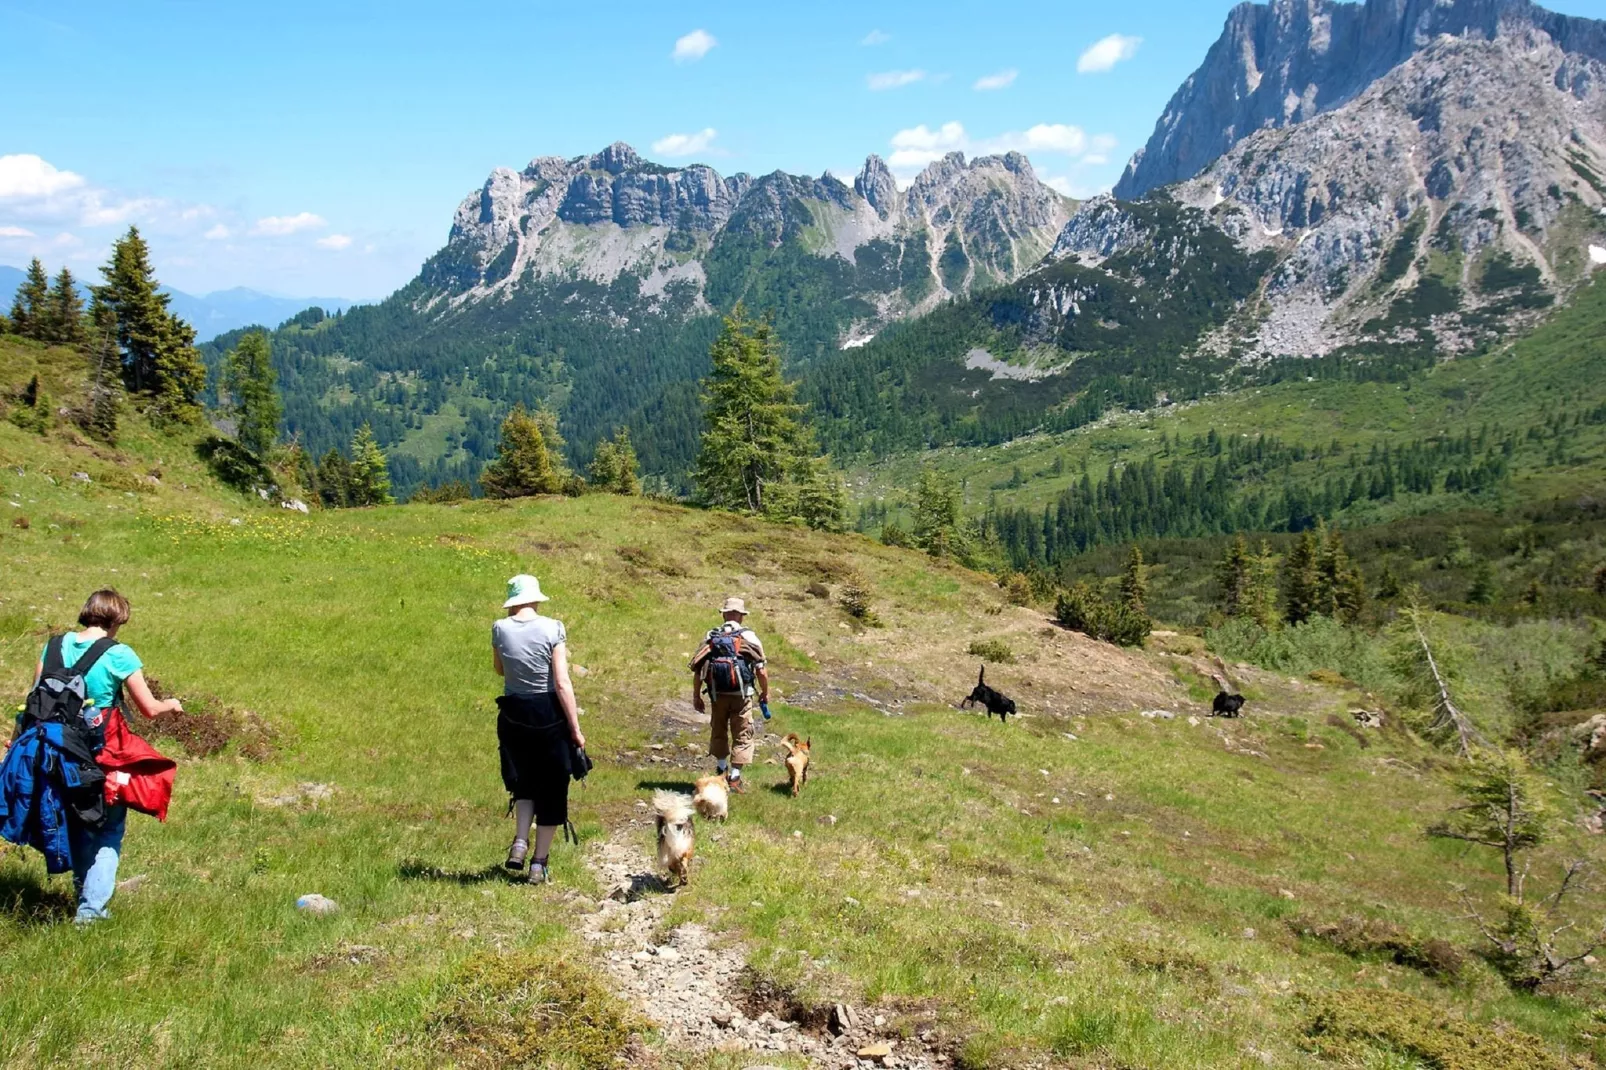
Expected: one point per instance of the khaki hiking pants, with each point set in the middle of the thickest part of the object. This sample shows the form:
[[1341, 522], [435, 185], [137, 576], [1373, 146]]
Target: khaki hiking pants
[[731, 728]]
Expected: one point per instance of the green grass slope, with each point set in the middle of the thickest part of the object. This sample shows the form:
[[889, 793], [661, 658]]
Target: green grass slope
[[1126, 897]]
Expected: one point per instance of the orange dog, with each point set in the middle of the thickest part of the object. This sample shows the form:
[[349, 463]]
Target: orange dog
[[797, 761]]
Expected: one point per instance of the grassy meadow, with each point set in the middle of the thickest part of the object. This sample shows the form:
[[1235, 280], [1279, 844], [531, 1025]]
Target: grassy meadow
[[1085, 886]]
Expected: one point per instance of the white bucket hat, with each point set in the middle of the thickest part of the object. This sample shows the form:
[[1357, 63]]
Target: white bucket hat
[[734, 605], [523, 590]]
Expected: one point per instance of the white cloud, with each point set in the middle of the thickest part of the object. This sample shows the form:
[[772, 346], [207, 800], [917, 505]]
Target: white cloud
[[1060, 184], [280, 225], [26, 176], [875, 37], [15, 232], [96, 213], [1001, 80], [333, 241], [217, 233], [894, 79], [694, 46], [674, 145], [1105, 54]]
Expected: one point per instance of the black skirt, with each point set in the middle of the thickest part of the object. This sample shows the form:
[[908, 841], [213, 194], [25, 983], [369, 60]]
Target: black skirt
[[533, 737]]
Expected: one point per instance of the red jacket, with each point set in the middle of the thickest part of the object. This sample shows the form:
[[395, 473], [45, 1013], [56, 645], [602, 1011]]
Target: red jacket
[[136, 774]]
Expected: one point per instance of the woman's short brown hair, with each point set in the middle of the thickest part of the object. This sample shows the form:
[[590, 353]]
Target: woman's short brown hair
[[105, 609]]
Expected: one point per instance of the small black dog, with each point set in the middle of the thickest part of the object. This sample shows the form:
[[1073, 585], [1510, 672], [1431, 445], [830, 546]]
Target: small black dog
[[1226, 705], [995, 701]]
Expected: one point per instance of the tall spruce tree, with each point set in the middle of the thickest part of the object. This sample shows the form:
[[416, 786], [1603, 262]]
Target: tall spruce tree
[[754, 433], [105, 378], [1260, 592], [1301, 585], [1135, 582], [160, 361], [614, 467], [369, 479], [1340, 588], [64, 312], [249, 381], [30, 305], [523, 466], [1233, 575]]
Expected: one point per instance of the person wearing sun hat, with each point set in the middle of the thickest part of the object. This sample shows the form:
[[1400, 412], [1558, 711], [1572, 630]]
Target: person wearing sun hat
[[729, 666], [537, 719]]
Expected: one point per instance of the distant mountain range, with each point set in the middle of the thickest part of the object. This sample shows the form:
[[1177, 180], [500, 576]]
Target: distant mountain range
[[1377, 186], [215, 313]]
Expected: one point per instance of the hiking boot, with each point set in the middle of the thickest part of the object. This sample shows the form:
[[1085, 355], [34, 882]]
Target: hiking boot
[[540, 873], [738, 786], [516, 855]]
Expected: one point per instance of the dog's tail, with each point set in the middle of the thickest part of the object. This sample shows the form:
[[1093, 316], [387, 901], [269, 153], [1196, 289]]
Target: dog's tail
[[791, 742], [672, 806], [981, 677]]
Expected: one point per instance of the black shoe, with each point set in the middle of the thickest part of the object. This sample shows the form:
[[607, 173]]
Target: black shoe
[[516, 856]]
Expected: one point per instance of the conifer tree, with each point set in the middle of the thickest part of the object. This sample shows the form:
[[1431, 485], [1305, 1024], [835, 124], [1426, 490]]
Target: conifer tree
[[936, 515], [105, 380], [369, 481], [1233, 575], [754, 433], [332, 479], [159, 356], [1300, 581], [1135, 582], [614, 466], [249, 380], [523, 466], [1340, 590], [30, 305], [1260, 592], [64, 312]]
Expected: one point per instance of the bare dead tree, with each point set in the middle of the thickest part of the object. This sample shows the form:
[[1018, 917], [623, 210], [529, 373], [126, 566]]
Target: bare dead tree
[[1446, 714]]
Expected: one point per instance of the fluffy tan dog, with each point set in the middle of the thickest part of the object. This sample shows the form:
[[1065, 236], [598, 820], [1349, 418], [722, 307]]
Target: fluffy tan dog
[[712, 797], [797, 761], [676, 835]]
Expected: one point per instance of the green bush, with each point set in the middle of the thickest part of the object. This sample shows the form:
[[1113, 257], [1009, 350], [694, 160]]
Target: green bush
[[855, 602], [1355, 1028], [233, 464], [994, 650], [1318, 644], [1082, 609], [1369, 938]]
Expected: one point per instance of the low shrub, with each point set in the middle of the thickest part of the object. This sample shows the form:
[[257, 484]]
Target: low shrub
[[994, 650], [1357, 1027], [524, 1009], [855, 602], [233, 464], [1372, 938], [1082, 609]]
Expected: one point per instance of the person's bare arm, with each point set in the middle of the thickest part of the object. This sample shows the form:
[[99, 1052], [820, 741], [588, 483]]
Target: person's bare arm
[[147, 703], [565, 690], [763, 683], [496, 662]]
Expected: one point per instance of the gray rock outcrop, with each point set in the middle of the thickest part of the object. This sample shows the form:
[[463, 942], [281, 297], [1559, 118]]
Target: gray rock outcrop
[[1285, 62]]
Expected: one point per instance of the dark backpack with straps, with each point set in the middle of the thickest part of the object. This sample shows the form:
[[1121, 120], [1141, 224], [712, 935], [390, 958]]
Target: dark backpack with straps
[[59, 705], [729, 665]]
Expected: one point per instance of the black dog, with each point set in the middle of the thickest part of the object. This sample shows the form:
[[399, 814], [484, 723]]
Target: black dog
[[995, 701], [1226, 705]]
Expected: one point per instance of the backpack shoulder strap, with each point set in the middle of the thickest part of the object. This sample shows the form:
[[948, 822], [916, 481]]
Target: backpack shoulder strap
[[53, 662], [88, 658]]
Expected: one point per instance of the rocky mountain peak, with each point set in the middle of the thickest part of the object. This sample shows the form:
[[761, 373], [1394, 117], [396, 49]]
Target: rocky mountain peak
[[1286, 62], [876, 185], [616, 159]]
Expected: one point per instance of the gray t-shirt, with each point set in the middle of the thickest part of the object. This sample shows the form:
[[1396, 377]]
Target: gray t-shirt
[[526, 647]]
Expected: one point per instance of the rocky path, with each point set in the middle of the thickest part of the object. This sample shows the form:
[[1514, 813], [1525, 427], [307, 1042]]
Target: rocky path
[[689, 982]]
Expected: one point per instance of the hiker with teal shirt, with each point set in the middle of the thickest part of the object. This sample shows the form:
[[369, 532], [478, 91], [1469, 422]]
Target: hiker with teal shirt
[[537, 724], [134, 774]]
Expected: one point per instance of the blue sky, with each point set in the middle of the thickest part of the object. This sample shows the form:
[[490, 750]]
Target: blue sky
[[320, 148]]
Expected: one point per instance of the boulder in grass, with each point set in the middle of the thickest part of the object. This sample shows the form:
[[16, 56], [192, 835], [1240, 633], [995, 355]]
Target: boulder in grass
[[317, 905]]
